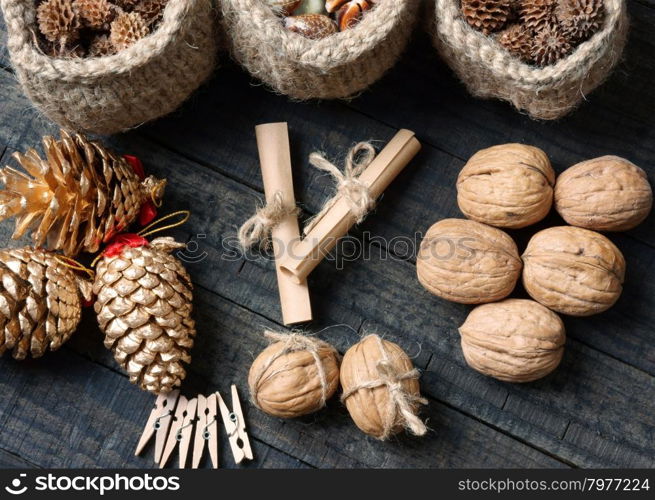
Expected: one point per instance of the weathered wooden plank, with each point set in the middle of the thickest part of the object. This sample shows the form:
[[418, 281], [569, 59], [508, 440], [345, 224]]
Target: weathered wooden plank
[[346, 297], [11, 461]]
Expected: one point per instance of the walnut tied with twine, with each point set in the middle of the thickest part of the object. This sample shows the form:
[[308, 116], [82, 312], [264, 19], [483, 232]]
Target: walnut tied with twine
[[381, 389], [294, 376]]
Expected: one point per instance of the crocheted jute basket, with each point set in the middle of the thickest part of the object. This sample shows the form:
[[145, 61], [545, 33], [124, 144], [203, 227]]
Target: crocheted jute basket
[[108, 94], [488, 70], [338, 66]]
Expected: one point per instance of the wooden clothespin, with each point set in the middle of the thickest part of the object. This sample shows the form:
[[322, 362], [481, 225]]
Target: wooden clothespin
[[235, 425], [181, 431], [159, 422], [206, 430]]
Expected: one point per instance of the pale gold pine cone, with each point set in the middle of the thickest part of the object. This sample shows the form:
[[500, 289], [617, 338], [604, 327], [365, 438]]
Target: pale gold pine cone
[[144, 304], [40, 301]]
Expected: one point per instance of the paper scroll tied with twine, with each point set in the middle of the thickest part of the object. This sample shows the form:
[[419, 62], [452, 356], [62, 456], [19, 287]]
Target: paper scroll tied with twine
[[364, 179]]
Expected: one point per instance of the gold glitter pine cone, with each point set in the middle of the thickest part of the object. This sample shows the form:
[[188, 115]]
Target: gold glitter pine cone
[[40, 301], [76, 197], [143, 306], [486, 16]]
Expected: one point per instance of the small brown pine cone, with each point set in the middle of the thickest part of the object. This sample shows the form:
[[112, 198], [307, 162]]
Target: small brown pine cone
[[100, 46], [127, 5], [95, 14], [151, 10], [40, 301], [57, 21], [537, 14], [486, 16], [550, 45], [143, 305], [518, 41], [127, 29], [580, 19]]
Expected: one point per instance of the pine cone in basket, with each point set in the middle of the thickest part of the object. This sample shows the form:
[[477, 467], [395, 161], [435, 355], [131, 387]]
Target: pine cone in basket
[[486, 16], [101, 46], [151, 11], [57, 21], [144, 308], [95, 14], [518, 41], [550, 45], [76, 197], [126, 29], [537, 14], [127, 4], [40, 301], [580, 19]]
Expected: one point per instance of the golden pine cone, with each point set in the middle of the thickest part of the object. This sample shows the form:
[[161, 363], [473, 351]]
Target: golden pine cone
[[127, 29], [100, 46], [486, 15], [518, 41], [40, 301], [57, 21], [580, 19], [76, 197], [537, 14], [95, 14], [144, 308], [151, 11], [550, 45]]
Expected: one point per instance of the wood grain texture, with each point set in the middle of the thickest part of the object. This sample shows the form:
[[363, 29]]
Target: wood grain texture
[[595, 410]]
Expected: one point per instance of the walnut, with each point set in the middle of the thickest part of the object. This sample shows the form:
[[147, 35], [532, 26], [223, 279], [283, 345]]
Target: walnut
[[294, 376], [573, 271], [468, 262], [509, 185], [516, 340], [604, 194], [381, 389]]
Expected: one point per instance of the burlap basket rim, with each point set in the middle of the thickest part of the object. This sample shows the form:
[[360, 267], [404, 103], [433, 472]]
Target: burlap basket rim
[[459, 35], [73, 69], [373, 28]]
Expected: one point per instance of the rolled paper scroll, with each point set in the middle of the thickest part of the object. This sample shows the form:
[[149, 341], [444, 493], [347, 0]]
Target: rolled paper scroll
[[275, 161]]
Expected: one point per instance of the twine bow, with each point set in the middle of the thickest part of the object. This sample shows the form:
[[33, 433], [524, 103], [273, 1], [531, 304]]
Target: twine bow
[[402, 408], [258, 228], [349, 187]]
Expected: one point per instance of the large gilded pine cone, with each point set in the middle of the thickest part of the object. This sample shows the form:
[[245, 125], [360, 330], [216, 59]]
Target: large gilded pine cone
[[144, 308], [76, 197], [40, 301]]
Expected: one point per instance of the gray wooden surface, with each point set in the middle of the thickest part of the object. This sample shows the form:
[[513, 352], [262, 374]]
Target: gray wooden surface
[[75, 408]]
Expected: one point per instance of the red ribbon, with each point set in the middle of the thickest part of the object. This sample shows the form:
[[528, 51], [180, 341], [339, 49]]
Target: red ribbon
[[120, 241], [148, 210]]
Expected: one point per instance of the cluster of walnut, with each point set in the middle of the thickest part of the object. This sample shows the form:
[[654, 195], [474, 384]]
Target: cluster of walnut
[[539, 32], [95, 28], [567, 269], [317, 19], [296, 375]]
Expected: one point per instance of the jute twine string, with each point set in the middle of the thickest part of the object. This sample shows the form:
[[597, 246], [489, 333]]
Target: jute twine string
[[108, 94], [295, 342], [338, 66], [488, 70], [258, 228], [401, 408], [348, 186]]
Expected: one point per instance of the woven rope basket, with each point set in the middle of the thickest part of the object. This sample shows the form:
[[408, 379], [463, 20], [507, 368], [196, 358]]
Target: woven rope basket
[[105, 95], [488, 70], [338, 66]]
